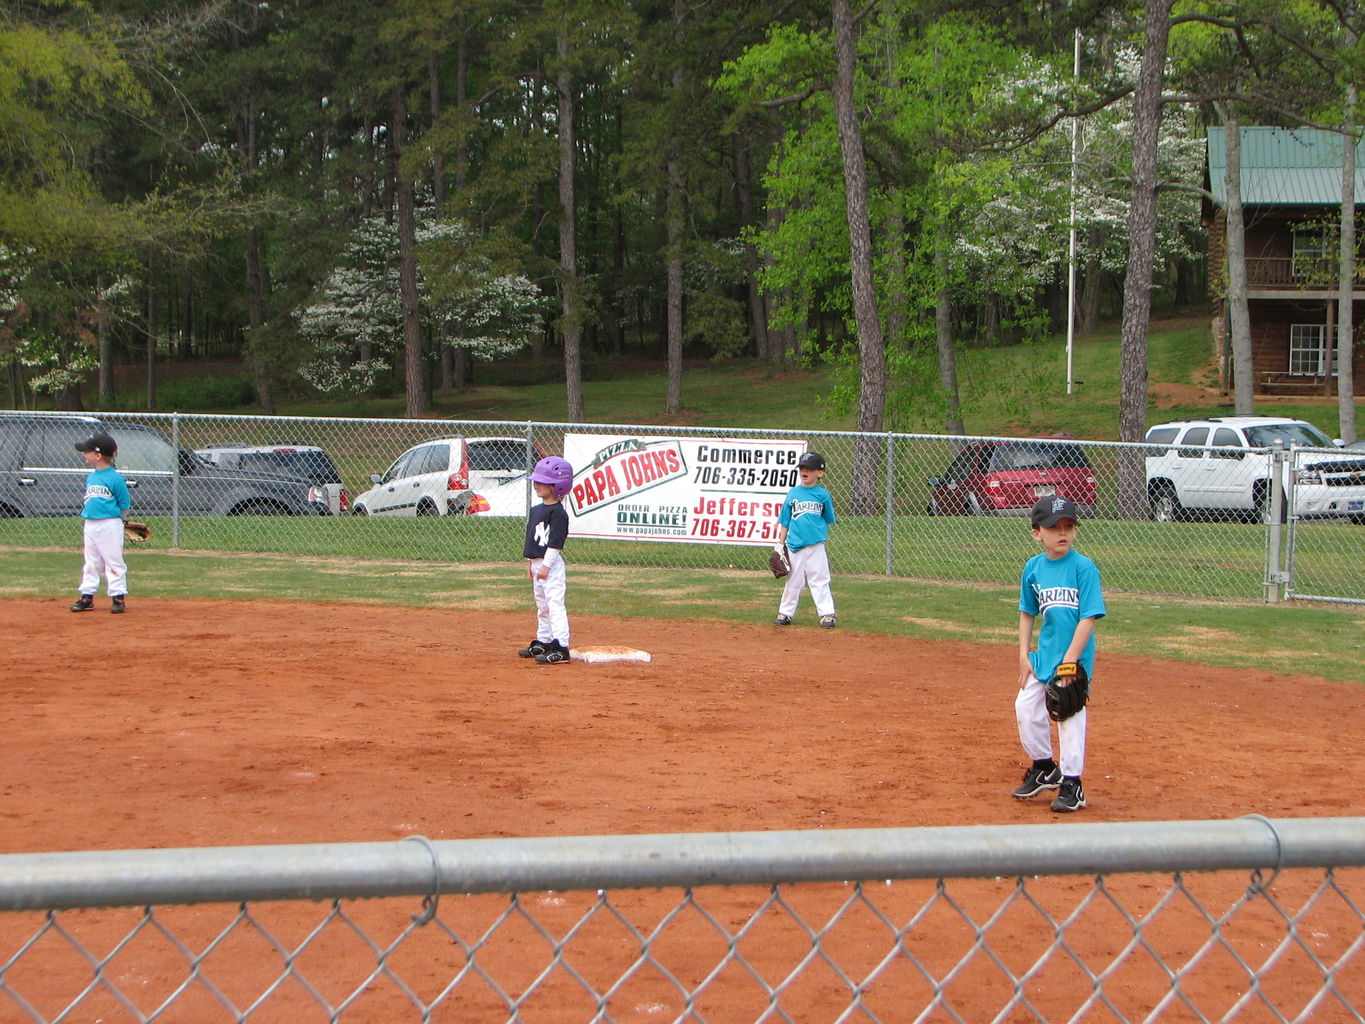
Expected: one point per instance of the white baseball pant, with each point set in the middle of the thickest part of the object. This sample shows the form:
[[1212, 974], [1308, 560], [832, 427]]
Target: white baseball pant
[[810, 567], [104, 556], [1035, 728], [552, 614]]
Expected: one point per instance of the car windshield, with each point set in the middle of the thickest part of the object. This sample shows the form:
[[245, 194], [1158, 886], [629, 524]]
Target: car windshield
[[1302, 434], [1039, 456], [314, 466]]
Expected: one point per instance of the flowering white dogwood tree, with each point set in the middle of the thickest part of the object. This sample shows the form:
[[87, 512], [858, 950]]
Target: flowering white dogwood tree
[[355, 323]]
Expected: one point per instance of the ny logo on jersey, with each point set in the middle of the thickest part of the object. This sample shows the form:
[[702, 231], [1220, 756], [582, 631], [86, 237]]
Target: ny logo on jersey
[[542, 534]]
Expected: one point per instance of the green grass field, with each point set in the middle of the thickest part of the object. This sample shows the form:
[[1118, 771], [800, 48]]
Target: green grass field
[[951, 584]]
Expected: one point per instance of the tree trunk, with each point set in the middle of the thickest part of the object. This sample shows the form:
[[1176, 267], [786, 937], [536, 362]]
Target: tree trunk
[[106, 344], [744, 207], [947, 350], [871, 350], [1235, 263], [414, 386], [149, 339], [571, 325], [1137, 284], [1346, 271]]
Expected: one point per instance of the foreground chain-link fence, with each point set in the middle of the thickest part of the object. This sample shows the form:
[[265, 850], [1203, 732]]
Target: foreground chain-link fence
[[1187, 520], [1248, 920]]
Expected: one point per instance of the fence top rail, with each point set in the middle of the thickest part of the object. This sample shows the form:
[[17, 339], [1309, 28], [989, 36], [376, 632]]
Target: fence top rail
[[418, 866]]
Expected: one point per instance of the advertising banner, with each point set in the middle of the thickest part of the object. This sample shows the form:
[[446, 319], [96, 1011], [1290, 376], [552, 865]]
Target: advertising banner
[[680, 490]]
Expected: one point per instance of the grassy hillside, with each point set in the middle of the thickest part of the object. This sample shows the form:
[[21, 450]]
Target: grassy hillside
[[1014, 390]]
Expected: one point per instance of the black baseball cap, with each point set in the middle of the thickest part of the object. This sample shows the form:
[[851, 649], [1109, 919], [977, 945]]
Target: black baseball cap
[[811, 460], [98, 442], [1052, 509]]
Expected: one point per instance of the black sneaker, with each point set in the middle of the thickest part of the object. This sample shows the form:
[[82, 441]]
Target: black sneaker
[[1042, 775], [83, 603], [1072, 796], [119, 606], [782, 620], [532, 649], [828, 622], [554, 653]]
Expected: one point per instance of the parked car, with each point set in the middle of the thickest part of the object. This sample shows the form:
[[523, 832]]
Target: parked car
[[42, 474], [1007, 477], [454, 476], [287, 459], [1219, 465]]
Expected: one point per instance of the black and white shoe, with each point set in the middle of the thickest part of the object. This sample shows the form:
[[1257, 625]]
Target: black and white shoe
[[782, 620], [1042, 775], [828, 622], [532, 649], [119, 606], [554, 653], [1072, 795], [83, 603]]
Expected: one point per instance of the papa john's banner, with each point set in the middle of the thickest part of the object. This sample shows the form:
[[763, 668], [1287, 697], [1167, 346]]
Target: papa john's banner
[[671, 489]]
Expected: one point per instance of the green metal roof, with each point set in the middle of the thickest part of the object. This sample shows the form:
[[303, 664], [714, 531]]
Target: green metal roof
[[1285, 166]]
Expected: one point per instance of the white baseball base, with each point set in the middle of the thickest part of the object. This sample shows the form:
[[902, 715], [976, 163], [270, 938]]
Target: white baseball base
[[606, 653]]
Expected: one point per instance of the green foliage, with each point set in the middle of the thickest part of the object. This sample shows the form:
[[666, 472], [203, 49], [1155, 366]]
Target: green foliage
[[204, 394]]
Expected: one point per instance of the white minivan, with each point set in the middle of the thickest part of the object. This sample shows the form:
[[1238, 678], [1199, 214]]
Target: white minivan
[[450, 476]]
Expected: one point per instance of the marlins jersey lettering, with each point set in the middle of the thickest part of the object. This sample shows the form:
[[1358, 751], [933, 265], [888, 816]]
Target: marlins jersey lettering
[[807, 513], [106, 495], [1062, 591]]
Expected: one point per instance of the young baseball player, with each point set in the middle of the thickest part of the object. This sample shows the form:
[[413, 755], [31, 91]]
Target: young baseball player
[[803, 525], [1063, 586], [547, 527], [106, 502]]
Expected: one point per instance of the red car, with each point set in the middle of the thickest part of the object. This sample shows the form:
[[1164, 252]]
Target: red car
[[1006, 478]]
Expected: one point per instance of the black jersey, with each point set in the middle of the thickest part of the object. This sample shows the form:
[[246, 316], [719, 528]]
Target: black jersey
[[547, 526]]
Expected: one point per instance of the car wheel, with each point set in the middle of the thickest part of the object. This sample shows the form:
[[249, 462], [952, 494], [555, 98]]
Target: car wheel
[[974, 506], [1165, 506], [427, 507], [1261, 499], [259, 507], [359, 510]]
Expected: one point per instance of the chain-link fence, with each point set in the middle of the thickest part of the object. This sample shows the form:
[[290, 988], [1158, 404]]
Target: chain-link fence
[[1248, 920], [1192, 520]]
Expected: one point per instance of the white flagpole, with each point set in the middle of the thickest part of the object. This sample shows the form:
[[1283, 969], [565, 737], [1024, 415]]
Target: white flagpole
[[1071, 248]]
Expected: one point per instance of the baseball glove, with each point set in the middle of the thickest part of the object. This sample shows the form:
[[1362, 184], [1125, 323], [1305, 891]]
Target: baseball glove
[[780, 561], [137, 531], [1067, 691]]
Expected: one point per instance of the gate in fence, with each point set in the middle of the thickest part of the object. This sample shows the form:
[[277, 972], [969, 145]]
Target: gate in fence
[[1250, 919]]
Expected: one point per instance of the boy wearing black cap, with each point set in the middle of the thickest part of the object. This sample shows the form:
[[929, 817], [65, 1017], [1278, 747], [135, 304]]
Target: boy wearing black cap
[[106, 502], [803, 526], [1063, 586]]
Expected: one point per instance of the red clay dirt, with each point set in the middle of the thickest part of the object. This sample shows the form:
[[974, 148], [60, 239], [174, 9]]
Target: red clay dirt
[[205, 723]]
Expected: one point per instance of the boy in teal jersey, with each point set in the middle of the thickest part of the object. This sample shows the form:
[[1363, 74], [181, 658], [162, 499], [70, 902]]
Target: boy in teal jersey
[[803, 525], [1063, 586], [106, 503]]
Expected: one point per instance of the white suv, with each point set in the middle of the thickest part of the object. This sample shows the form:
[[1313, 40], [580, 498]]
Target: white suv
[[1222, 464], [449, 476]]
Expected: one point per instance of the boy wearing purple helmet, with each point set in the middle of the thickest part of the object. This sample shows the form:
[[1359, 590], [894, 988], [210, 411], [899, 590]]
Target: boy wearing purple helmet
[[547, 528]]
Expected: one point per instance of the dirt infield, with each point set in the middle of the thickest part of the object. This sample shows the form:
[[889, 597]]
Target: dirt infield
[[199, 723]]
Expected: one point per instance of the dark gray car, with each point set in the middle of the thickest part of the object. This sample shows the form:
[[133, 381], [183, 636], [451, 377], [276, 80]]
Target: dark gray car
[[42, 474]]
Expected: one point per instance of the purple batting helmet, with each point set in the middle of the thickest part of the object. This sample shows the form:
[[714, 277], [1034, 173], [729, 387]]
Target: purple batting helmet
[[556, 472]]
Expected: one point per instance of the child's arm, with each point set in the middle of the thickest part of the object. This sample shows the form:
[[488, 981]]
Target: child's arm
[[1025, 639], [1084, 630], [551, 557]]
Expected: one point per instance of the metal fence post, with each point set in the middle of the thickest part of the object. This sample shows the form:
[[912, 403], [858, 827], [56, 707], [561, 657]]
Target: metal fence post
[[1274, 576], [175, 480], [890, 507]]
